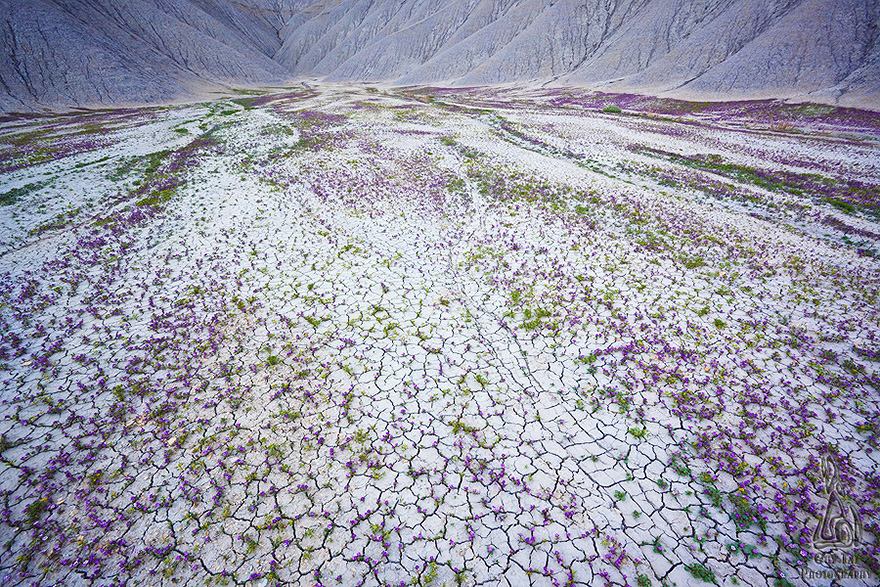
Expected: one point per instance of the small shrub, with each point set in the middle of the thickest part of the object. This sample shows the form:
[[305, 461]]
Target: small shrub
[[273, 360], [34, 510], [156, 198], [784, 126], [460, 577], [589, 359], [693, 262], [460, 427], [701, 572], [10, 197], [853, 367], [612, 109], [95, 478], [714, 496], [430, 574], [841, 205]]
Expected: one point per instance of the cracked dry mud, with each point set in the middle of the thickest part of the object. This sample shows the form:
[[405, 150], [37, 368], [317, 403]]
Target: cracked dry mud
[[350, 337]]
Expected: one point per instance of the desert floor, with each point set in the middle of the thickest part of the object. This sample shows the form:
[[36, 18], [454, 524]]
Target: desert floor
[[358, 336]]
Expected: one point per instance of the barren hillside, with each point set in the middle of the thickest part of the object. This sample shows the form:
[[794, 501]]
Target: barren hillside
[[108, 52]]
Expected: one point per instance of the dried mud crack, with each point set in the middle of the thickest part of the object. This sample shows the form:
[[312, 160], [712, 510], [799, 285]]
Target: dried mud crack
[[339, 336]]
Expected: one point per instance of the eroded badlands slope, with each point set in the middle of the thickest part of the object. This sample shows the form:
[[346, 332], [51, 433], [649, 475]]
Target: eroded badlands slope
[[342, 337], [122, 52]]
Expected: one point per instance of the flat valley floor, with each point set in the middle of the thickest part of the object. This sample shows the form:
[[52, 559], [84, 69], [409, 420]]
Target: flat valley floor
[[358, 336]]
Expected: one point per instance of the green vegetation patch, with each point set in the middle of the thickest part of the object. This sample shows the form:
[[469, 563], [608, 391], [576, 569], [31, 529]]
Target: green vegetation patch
[[846, 195], [701, 572], [9, 197]]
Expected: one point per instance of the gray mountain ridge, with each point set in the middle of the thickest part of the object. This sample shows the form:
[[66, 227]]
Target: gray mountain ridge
[[63, 53]]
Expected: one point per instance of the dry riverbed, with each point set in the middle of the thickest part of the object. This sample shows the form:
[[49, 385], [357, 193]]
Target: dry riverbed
[[351, 336]]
